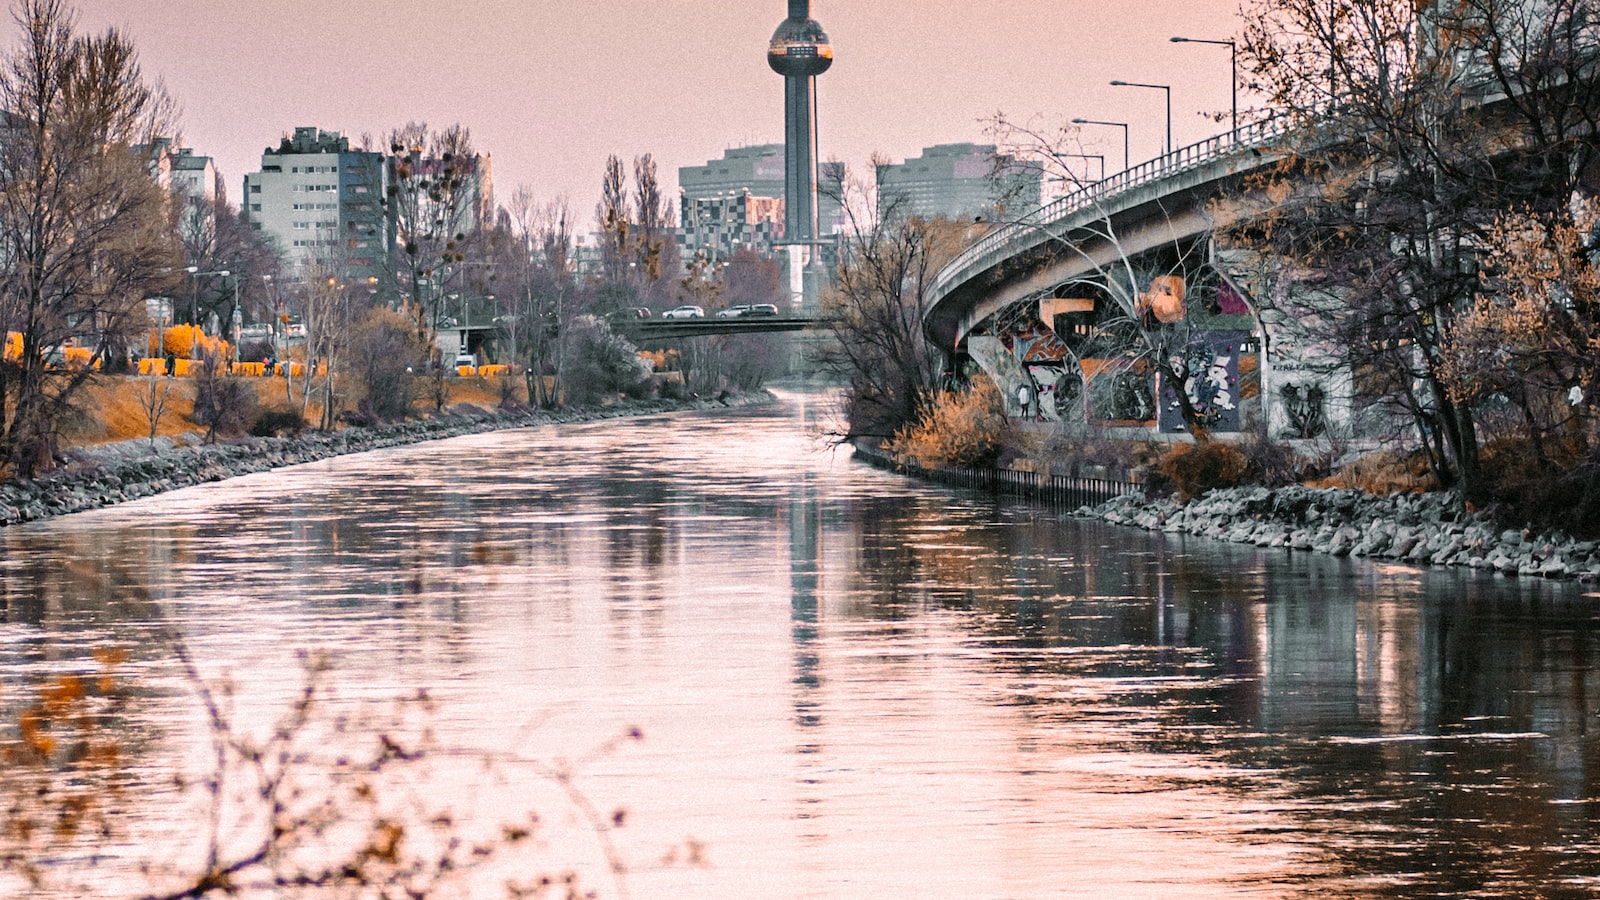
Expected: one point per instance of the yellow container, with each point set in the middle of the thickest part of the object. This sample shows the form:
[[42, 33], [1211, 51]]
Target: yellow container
[[251, 369], [494, 371], [152, 365], [466, 371]]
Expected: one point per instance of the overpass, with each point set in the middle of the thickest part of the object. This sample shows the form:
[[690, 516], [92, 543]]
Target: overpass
[[985, 305], [1157, 203]]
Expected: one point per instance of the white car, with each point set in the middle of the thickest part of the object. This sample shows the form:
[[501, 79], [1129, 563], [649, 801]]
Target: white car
[[684, 312], [732, 312]]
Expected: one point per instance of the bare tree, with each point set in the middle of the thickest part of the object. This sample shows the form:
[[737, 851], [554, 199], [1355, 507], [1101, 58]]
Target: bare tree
[[875, 309], [153, 400], [614, 217], [333, 303], [435, 199], [544, 296], [82, 224], [1416, 127], [654, 243]]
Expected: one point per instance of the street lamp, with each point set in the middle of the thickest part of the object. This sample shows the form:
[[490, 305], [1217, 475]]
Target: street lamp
[[1122, 125], [1095, 156], [1155, 87], [194, 294], [1233, 57], [194, 301]]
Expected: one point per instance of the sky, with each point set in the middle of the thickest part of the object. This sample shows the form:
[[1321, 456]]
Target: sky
[[551, 87]]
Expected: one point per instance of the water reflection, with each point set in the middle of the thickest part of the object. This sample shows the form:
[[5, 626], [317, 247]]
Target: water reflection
[[852, 682]]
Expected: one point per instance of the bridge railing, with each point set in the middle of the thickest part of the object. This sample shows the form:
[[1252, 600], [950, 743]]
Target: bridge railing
[[1000, 243]]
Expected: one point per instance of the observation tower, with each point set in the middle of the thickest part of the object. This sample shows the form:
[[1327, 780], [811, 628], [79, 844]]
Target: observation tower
[[800, 52]]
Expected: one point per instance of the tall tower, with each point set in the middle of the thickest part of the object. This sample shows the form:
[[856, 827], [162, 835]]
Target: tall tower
[[800, 52]]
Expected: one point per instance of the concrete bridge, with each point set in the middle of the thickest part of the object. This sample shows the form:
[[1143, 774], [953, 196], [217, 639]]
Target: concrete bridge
[[1018, 301], [661, 329]]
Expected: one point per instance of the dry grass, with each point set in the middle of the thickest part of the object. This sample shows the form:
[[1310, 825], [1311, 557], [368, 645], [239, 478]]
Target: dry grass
[[1383, 472], [113, 407]]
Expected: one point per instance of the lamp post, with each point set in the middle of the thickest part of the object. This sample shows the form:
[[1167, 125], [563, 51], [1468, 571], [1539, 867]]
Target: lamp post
[[1122, 125], [1233, 83], [194, 300], [1095, 156], [1155, 87]]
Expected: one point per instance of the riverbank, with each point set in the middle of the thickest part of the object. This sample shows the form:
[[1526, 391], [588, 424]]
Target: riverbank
[[1419, 528], [1425, 529], [96, 477]]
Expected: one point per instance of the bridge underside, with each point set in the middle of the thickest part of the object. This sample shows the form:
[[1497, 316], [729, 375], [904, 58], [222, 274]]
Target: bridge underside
[[1070, 328]]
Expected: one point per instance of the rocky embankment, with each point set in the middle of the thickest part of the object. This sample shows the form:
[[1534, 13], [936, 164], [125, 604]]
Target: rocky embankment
[[101, 476], [1416, 528]]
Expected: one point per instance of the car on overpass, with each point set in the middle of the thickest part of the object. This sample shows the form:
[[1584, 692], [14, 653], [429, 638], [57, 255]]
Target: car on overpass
[[732, 312], [684, 312]]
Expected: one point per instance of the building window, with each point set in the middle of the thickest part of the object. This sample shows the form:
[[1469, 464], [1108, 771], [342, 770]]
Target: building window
[[255, 207], [255, 188]]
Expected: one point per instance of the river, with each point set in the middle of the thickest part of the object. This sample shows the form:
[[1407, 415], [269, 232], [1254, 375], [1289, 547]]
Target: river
[[844, 683]]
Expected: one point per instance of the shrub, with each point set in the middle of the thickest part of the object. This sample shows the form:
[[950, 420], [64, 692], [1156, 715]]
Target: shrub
[[1563, 493], [191, 342], [383, 347], [964, 428], [256, 351], [1384, 472], [602, 364], [1196, 468], [277, 422], [1272, 463], [1076, 445], [673, 389], [222, 403]]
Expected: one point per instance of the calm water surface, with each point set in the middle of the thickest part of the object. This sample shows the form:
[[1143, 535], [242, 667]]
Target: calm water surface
[[849, 685]]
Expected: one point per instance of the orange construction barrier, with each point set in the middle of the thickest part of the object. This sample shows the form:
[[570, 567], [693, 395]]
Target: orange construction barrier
[[78, 357]]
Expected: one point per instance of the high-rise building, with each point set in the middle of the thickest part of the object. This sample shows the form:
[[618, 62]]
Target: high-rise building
[[738, 200], [195, 176], [191, 185], [959, 182], [179, 169], [322, 201]]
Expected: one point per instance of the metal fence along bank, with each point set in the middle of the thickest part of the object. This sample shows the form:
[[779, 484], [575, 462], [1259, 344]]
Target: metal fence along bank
[[1069, 491]]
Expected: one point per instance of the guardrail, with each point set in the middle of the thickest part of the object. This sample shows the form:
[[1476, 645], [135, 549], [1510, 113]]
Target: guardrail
[[998, 244], [1057, 490]]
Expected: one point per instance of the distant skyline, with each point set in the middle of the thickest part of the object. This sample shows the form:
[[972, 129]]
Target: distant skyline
[[550, 89]]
